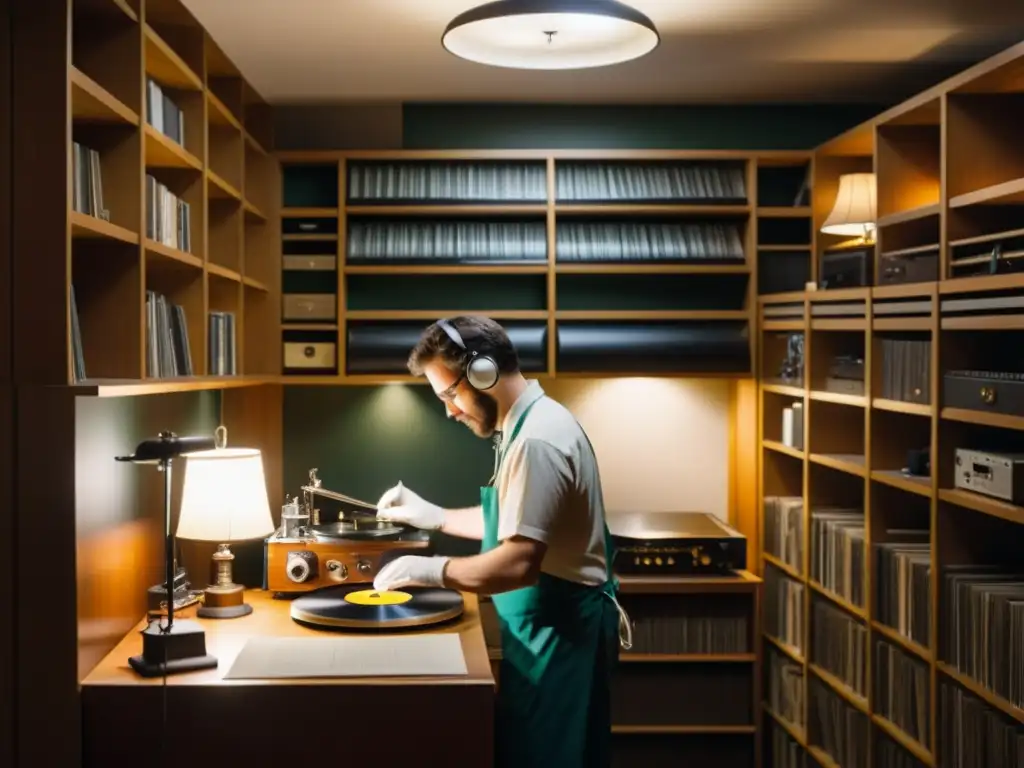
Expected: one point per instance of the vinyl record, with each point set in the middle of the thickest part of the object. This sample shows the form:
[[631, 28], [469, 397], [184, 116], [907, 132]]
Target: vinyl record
[[359, 606], [357, 528]]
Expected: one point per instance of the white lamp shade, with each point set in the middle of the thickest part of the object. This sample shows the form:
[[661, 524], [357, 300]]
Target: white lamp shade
[[225, 496], [551, 34], [854, 212]]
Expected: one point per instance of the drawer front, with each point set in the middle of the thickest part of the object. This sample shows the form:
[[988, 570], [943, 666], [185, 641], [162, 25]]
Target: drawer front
[[299, 354], [310, 306], [310, 263]]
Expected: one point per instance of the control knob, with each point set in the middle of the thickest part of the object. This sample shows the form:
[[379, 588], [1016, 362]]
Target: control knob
[[364, 567], [336, 570], [297, 569]]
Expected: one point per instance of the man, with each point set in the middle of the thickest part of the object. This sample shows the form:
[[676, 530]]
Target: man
[[545, 552]]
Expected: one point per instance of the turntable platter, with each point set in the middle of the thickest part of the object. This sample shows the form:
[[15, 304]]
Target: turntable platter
[[356, 607], [364, 527]]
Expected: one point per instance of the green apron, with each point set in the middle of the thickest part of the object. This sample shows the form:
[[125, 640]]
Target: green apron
[[559, 645]]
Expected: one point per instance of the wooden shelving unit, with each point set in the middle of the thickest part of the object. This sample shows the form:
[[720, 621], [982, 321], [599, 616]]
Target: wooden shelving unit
[[614, 262], [160, 120], [839, 638]]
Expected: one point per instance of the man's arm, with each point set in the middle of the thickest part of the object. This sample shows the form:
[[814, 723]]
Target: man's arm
[[539, 480], [467, 523], [513, 564]]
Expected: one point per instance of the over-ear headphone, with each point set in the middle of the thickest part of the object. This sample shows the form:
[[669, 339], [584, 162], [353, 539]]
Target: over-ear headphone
[[481, 370]]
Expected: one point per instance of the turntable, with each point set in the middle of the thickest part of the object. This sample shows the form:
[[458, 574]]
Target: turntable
[[305, 554]]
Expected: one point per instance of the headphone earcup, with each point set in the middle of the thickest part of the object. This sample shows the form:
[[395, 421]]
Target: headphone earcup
[[482, 372]]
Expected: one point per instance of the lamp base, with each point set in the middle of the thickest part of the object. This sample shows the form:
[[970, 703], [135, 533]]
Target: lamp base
[[182, 649], [224, 601]]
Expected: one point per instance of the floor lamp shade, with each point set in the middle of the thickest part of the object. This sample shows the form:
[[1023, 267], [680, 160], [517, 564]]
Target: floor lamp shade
[[855, 209], [225, 497]]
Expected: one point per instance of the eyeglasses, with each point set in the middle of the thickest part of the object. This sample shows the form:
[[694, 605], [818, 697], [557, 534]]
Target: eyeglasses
[[448, 393]]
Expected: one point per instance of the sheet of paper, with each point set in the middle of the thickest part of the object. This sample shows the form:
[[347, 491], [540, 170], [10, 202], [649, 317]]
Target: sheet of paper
[[436, 655]]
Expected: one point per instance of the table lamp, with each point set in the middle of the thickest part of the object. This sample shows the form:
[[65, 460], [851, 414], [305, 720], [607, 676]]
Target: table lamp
[[175, 646], [224, 500], [855, 209]]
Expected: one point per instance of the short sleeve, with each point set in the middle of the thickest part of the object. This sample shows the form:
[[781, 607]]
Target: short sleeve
[[539, 479]]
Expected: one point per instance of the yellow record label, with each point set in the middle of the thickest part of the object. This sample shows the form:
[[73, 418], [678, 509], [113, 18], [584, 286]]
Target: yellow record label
[[374, 597]]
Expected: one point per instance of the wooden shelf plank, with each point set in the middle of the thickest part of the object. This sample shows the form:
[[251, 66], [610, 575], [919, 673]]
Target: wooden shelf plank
[[911, 214], [697, 658], [162, 152], [221, 189], [839, 600], [855, 699], [253, 212], [858, 401], [922, 486], [134, 387], [784, 389], [651, 314], [983, 323], [684, 729], [309, 213], [984, 418], [165, 66], [839, 324], [454, 209], [790, 297], [902, 323], [86, 226], [223, 272], [251, 282], [909, 744], [783, 325], [982, 692], [775, 445], [784, 248], [651, 269], [851, 464], [90, 102], [219, 114], [792, 651], [784, 212], [172, 254], [427, 314], [982, 283], [782, 566], [983, 504], [905, 642], [898, 406], [444, 269], [904, 291], [649, 209], [1008, 193]]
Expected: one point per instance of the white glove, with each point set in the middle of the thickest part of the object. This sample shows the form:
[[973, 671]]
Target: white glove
[[411, 571], [400, 505]]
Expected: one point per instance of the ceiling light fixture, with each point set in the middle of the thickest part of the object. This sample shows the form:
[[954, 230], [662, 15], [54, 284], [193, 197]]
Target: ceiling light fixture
[[551, 34]]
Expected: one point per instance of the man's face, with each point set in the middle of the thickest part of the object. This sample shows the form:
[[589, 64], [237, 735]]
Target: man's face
[[476, 410]]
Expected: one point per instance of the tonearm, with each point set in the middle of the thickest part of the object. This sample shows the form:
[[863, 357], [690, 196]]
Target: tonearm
[[315, 488]]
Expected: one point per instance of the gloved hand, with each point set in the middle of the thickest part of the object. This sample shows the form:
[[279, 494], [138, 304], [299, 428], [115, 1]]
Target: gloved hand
[[401, 505], [411, 571]]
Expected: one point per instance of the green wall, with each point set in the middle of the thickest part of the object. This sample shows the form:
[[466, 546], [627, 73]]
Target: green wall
[[363, 440], [558, 126]]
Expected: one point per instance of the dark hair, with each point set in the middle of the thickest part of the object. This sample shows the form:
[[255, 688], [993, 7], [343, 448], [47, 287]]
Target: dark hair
[[480, 334]]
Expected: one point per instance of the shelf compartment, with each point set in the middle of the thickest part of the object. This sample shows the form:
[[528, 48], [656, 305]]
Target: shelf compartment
[[784, 681], [162, 152], [418, 182], [698, 745], [224, 326], [650, 241], [902, 369], [259, 327], [106, 58], [383, 346], [309, 352], [902, 709], [309, 185], [908, 159], [681, 694], [781, 269], [226, 156], [181, 285], [91, 103], [225, 233], [784, 186], [394, 241], [983, 148], [835, 314], [164, 64], [922, 486], [672, 181], [620, 293], [708, 346], [784, 231], [838, 363], [105, 173], [716, 627], [983, 374], [835, 728], [105, 277], [998, 251], [839, 650], [774, 408], [471, 293], [179, 237], [972, 490], [262, 188], [782, 359]]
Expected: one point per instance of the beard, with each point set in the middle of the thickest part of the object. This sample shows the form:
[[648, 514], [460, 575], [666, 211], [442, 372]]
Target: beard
[[484, 419]]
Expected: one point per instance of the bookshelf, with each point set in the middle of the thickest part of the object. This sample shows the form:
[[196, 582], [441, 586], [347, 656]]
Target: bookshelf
[[599, 263], [169, 221], [881, 574]]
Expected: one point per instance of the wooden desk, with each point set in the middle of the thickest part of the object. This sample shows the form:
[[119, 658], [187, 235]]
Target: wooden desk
[[200, 719]]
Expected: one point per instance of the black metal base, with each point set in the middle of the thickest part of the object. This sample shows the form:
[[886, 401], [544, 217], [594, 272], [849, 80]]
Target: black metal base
[[223, 611], [182, 649]]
